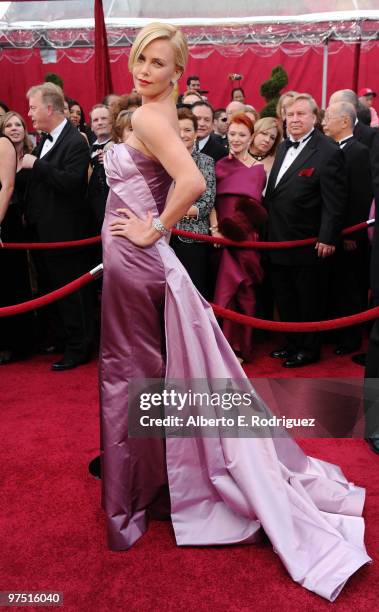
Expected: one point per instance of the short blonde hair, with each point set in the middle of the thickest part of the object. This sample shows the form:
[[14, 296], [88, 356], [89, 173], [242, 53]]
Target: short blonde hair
[[267, 123], [157, 30], [304, 96], [51, 94], [279, 106]]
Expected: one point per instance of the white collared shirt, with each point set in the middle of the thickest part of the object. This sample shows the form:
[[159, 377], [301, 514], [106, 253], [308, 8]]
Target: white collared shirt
[[345, 143], [55, 133], [95, 153], [201, 143], [292, 154]]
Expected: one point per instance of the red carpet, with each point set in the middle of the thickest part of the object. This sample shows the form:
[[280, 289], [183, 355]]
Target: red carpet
[[52, 529]]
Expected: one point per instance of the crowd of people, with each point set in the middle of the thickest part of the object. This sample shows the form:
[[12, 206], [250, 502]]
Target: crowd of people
[[253, 184], [304, 173]]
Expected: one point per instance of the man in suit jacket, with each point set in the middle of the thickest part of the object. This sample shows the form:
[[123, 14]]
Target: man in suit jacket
[[56, 211], [350, 262], [101, 125], [369, 137], [305, 197], [207, 142]]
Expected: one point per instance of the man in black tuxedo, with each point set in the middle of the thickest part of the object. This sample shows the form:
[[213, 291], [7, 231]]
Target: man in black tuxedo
[[101, 125], [349, 264], [305, 197], [56, 211], [207, 142], [365, 134]]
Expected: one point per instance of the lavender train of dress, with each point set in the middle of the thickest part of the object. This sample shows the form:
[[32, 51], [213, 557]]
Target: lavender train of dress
[[222, 491], [239, 270]]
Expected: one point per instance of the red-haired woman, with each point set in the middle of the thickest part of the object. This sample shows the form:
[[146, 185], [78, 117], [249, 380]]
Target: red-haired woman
[[240, 216]]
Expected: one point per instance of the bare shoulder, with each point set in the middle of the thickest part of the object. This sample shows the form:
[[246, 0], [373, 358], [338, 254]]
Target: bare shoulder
[[149, 117], [6, 145]]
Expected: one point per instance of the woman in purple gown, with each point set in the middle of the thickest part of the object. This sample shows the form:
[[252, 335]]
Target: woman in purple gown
[[240, 180], [155, 324]]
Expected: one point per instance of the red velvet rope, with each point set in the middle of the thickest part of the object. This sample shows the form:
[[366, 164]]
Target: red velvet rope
[[244, 244], [281, 326], [53, 296], [224, 313]]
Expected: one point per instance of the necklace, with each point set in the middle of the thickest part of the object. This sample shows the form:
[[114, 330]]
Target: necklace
[[258, 157]]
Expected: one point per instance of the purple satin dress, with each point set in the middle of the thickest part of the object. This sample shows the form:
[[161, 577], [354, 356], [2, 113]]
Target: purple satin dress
[[222, 490], [239, 270]]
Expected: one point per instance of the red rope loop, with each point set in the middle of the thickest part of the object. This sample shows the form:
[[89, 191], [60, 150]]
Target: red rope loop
[[244, 244], [224, 313]]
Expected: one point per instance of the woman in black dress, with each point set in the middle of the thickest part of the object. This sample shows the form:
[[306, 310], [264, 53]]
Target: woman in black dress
[[15, 332]]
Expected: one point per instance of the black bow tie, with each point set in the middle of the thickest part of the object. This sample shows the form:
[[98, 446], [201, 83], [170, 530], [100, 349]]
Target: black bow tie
[[98, 147], [296, 143], [47, 136], [292, 143]]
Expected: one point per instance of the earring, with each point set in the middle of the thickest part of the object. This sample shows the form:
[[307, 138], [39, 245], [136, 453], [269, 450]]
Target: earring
[[172, 83]]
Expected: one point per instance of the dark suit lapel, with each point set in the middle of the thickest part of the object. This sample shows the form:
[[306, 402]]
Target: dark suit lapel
[[275, 168], [62, 136], [300, 160]]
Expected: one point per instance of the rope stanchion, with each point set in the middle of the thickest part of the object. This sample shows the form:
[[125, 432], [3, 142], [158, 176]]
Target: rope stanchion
[[51, 245], [53, 296], [224, 313], [243, 244], [282, 326], [257, 244]]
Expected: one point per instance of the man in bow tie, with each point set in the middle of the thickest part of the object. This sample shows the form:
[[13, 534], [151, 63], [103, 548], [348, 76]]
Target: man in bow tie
[[349, 266], [56, 211], [305, 198]]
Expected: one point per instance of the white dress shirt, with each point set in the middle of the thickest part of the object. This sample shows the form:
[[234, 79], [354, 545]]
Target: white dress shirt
[[292, 154], [202, 142], [343, 141], [55, 133]]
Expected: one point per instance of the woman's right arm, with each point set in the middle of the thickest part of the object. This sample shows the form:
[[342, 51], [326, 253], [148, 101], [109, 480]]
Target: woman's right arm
[[7, 174], [155, 133]]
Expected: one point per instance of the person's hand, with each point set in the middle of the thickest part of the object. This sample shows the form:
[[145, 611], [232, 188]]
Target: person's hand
[[217, 234], [324, 250], [28, 161], [139, 231], [100, 156], [349, 245]]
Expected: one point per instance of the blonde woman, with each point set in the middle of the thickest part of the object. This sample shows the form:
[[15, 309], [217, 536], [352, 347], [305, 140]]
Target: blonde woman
[[154, 324], [266, 138]]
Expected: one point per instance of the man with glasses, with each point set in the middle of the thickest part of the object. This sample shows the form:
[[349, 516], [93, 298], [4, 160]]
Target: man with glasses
[[220, 126]]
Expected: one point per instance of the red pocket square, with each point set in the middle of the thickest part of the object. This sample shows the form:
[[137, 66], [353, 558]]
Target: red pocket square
[[306, 172]]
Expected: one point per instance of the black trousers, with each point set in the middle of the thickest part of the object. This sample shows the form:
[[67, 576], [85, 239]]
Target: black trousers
[[195, 257], [300, 295], [371, 384], [17, 331], [349, 291], [71, 319]]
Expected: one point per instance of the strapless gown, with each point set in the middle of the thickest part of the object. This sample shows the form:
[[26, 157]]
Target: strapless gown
[[221, 490]]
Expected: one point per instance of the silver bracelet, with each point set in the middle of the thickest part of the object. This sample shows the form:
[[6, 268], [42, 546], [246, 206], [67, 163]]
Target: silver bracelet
[[158, 225]]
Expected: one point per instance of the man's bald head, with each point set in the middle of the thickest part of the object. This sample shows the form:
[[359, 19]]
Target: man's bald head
[[344, 95], [233, 108], [339, 120]]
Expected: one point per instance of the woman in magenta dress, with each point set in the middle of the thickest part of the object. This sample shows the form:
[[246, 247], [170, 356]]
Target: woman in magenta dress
[[155, 324], [240, 216]]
